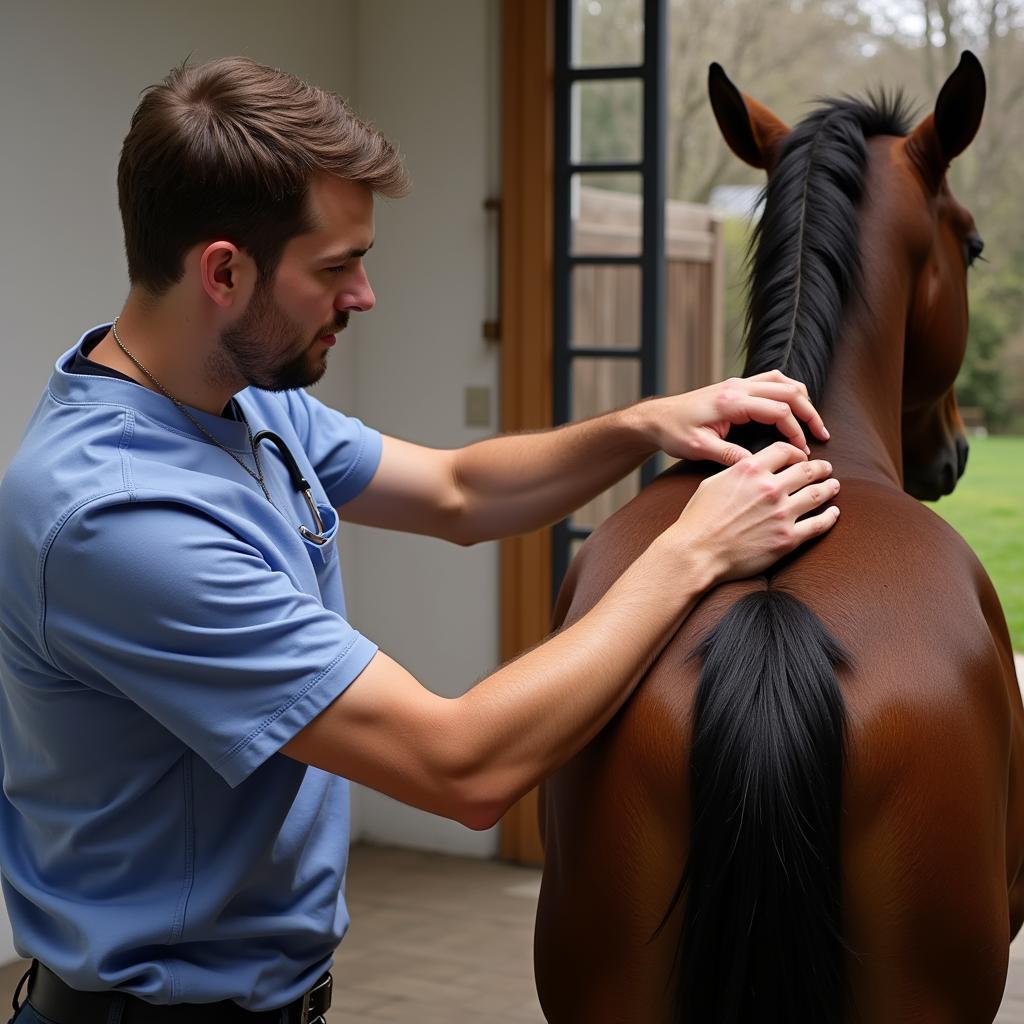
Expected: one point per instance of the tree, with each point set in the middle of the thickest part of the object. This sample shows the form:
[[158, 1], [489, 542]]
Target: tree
[[980, 384], [788, 52]]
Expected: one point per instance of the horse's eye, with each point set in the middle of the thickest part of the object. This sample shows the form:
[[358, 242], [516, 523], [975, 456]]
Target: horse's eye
[[975, 247]]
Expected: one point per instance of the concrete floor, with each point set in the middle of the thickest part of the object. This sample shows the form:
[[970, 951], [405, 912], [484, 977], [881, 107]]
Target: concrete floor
[[446, 940]]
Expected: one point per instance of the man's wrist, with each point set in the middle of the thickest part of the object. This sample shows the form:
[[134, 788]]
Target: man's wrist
[[691, 559], [640, 426]]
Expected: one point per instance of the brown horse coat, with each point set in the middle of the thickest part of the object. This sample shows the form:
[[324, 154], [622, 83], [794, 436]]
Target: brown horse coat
[[932, 818]]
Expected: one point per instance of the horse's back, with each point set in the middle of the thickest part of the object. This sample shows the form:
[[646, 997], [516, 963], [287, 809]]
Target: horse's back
[[930, 707]]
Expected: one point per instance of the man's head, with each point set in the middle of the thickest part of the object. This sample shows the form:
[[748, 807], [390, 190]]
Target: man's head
[[228, 149], [232, 161]]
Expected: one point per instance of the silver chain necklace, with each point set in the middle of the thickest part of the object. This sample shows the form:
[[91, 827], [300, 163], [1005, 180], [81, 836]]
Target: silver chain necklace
[[258, 475]]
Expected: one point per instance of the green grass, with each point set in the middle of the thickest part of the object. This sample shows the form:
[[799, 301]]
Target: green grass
[[987, 510]]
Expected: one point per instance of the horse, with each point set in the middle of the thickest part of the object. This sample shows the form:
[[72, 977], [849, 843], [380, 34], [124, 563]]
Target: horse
[[811, 809]]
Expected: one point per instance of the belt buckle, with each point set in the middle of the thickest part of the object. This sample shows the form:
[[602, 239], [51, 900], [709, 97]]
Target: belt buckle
[[322, 992]]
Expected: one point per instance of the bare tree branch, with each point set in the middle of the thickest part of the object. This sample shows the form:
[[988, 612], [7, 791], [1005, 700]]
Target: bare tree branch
[[702, 193], [948, 36]]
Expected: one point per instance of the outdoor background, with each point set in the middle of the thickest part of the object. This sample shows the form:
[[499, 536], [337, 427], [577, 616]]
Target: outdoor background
[[787, 53]]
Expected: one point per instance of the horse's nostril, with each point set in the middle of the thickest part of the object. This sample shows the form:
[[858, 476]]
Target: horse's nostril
[[962, 451]]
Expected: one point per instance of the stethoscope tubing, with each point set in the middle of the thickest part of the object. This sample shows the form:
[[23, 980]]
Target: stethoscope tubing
[[299, 482]]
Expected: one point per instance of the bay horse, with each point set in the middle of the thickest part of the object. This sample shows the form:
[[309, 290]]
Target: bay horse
[[812, 807]]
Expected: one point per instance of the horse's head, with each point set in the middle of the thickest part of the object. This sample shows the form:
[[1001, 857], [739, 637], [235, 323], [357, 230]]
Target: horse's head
[[928, 237], [934, 443]]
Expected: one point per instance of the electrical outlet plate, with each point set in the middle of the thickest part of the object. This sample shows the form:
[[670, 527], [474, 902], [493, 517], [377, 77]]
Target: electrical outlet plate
[[478, 407]]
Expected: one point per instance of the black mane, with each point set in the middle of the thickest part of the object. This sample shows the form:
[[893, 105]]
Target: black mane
[[804, 254]]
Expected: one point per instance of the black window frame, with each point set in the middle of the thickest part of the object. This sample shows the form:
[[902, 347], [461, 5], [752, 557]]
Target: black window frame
[[653, 74]]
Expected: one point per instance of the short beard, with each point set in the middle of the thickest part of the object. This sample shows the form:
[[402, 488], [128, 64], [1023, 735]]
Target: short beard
[[253, 345]]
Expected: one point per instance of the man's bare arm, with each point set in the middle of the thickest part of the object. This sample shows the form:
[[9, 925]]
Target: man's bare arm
[[469, 758], [519, 482]]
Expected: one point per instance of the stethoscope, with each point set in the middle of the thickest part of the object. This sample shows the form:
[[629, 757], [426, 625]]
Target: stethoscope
[[299, 482]]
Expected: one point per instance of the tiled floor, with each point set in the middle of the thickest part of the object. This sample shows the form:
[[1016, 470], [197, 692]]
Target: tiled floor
[[444, 940]]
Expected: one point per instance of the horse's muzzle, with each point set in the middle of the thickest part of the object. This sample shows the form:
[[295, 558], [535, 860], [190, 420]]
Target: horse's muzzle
[[931, 482]]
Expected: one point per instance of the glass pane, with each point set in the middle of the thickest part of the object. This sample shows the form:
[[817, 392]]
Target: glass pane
[[607, 214], [607, 120], [605, 307], [607, 32], [599, 385]]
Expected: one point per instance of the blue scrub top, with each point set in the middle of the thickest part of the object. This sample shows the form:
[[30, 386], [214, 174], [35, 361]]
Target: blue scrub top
[[164, 631]]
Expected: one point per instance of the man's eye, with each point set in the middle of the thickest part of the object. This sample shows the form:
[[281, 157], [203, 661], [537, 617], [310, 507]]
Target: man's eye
[[337, 270]]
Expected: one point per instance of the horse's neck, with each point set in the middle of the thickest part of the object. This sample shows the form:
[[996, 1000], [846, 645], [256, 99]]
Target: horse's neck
[[862, 402]]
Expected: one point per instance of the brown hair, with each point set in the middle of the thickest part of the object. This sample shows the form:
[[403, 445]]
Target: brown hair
[[228, 150]]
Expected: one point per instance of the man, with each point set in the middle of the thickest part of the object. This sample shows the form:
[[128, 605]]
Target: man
[[174, 652]]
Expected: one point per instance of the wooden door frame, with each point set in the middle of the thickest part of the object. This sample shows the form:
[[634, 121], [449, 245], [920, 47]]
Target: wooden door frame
[[527, 274]]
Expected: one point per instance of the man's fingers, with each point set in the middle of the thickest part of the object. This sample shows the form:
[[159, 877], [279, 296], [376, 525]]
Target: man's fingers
[[795, 395], [796, 477], [811, 496], [776, 456], [730, 454], [765, 410], [815, 526], [778, 377]]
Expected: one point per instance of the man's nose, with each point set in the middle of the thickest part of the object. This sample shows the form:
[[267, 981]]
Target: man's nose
[[357, 296]]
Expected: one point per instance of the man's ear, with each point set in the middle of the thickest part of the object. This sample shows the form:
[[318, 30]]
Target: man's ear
[[751, 130], [225, 272], [945, 134]]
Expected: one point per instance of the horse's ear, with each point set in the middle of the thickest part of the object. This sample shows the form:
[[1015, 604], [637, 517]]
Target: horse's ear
[[752, 131], [945, 134]]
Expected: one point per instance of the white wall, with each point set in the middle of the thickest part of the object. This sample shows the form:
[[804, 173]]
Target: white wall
[[70, 76], [427, 74]]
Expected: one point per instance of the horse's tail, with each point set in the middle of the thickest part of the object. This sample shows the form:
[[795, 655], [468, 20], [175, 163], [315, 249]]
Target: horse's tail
[[762, 934]]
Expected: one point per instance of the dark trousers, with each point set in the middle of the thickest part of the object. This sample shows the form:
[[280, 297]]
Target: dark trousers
[[26, 1015], [115, 1008]]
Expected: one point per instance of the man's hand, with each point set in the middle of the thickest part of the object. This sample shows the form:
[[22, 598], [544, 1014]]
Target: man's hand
[[748, 516], [694, 425]]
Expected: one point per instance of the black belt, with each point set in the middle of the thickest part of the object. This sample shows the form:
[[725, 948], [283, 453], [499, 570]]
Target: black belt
[[64, 1005]]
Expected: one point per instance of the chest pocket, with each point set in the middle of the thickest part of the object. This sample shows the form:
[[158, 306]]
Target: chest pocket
[[320, 544]]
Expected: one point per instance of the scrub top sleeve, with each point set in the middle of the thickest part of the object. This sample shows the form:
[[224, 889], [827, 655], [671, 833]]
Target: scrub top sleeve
[[343, 451], [158, 603]]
